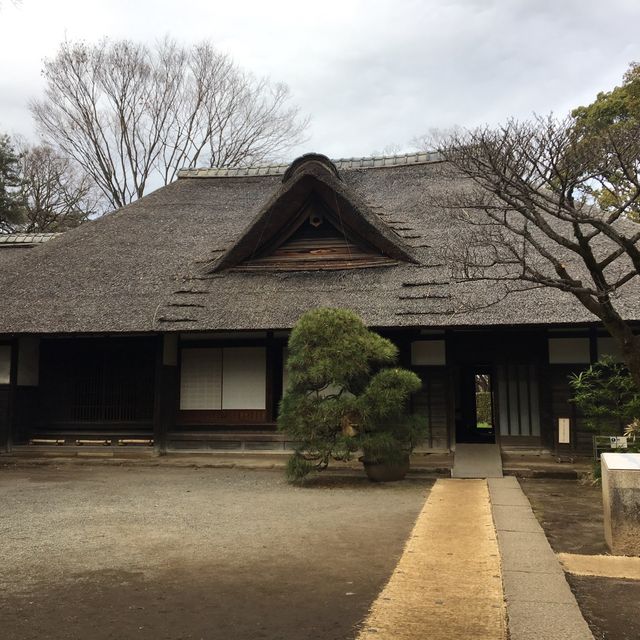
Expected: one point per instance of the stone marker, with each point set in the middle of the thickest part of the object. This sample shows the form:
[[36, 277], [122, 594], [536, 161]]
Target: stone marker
[[621, 501]]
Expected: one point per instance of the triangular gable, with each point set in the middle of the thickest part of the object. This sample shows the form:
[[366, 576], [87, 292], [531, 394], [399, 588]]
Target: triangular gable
[[314, 221]]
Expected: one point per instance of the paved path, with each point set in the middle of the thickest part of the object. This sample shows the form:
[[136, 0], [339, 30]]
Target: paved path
[[477, 461], [540, 605], [447, 584]]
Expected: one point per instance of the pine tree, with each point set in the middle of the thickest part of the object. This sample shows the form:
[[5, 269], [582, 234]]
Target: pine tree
[[11, 205], [345, 394]]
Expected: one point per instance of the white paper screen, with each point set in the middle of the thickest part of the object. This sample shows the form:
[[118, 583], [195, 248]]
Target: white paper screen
[[244, 378], [201, 379]]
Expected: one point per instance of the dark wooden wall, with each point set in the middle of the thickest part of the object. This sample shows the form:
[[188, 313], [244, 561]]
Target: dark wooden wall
[[5, 424], [120, 385], [97, 385], [432, 403], [561, 407]]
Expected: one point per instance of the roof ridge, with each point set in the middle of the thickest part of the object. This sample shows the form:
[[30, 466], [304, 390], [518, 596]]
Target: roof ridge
[[342, 164]]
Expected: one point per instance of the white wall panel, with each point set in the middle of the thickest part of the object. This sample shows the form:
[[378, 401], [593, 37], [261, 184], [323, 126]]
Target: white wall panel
[[5, 364], [569, 351], [428, 352], [245, 378]]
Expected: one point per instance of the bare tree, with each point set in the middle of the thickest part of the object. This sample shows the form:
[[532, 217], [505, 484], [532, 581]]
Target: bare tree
[[56, 195], [530, 218], [132, 115]]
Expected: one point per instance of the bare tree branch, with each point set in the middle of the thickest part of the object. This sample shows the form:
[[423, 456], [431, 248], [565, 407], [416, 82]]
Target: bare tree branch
[[131, 115], [529, 213], [56, 195]]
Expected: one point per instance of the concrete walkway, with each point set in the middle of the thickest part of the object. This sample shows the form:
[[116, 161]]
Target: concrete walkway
[[477, 461], [540, 605], [447, 584]]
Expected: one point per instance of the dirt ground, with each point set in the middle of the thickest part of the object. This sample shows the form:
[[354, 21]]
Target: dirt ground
[[571, 516], [159, 553]]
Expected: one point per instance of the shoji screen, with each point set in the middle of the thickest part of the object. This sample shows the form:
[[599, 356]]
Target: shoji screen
[[244, 378], [227, 378], [201, 379]]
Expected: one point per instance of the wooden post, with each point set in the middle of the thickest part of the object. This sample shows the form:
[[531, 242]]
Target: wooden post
[[7, 402], [166, 391], [13, 394], [274, 376], [451, 384], [593, 344]]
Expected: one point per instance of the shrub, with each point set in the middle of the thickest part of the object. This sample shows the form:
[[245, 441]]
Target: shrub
[[607, 396], [344, 394]]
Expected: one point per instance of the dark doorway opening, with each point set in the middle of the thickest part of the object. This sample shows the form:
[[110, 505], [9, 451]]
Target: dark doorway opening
[[475, 411]]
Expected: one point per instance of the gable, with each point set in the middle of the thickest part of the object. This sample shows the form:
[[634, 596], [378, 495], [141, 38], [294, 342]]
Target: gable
[[316, 239], [314, 221]]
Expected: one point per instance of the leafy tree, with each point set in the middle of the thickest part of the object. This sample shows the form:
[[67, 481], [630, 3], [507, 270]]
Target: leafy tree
[[618, 106], [132, 115], [344, 394], [606, 395], [11, 202], [619, 110]]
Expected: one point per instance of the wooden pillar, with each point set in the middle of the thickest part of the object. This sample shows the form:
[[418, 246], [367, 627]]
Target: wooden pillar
[[451, 364], [403, 342], [593, 344], [274, 376], [166, 390], [7, 401]]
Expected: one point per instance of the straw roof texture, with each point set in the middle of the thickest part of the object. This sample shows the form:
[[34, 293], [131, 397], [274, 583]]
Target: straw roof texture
[[159, 264]]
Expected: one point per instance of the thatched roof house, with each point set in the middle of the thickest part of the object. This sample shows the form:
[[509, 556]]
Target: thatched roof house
[[229, 259]]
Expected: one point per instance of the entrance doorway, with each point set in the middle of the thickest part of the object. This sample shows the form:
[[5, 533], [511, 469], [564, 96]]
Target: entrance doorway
[[475, 411]]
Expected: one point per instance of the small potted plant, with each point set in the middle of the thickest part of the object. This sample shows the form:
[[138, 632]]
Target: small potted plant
[[346, 395]]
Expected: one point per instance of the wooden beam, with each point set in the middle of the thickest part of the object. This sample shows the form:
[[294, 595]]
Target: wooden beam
[[158, 403]]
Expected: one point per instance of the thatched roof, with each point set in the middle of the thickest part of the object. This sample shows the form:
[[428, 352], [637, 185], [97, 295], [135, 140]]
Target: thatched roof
[[13, 247], [158, 265]]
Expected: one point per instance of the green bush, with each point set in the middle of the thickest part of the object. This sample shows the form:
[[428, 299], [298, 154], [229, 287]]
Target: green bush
[[606, 395], [483, 407], [344, 394]]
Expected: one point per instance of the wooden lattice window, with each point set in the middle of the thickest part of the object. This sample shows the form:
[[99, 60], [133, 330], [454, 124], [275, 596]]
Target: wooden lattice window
[[98, 381]]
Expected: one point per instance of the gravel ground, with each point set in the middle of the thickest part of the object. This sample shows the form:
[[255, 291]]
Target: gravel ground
[[125, 552]]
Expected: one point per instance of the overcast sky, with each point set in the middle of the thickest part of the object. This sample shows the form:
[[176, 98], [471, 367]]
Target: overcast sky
[[370, 73]]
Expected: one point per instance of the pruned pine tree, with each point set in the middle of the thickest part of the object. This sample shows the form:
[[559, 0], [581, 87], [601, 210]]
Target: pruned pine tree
[[345, 394]]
